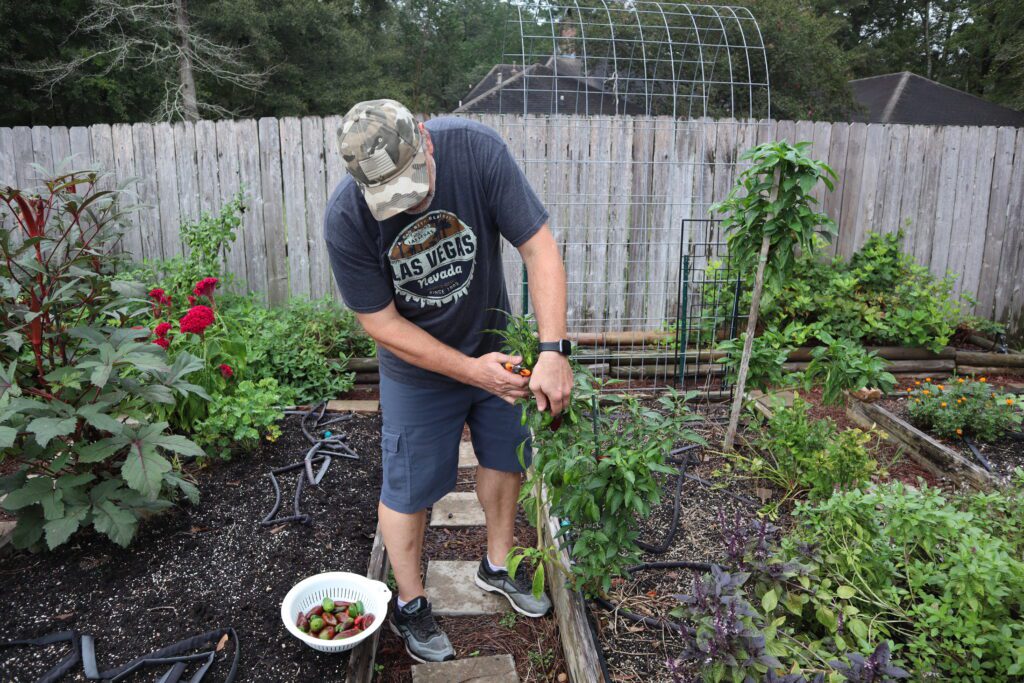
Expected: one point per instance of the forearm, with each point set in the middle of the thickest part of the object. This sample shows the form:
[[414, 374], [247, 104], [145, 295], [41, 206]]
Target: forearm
[[419, 348]]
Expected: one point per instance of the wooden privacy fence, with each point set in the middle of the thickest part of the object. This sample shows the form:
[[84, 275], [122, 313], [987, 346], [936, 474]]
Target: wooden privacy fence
[[957, 191]]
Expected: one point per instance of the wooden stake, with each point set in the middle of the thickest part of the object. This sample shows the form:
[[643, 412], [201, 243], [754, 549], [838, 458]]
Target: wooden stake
[[748, 345]]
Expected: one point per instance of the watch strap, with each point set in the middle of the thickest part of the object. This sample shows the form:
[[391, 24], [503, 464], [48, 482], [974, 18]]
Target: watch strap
[[562, 346]]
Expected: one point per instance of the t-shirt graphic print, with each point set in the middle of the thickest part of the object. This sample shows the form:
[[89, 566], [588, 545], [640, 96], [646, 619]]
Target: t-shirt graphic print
[[433, 259]]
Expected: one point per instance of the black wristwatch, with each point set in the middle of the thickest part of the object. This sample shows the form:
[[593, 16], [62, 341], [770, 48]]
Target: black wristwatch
[[562, 346]]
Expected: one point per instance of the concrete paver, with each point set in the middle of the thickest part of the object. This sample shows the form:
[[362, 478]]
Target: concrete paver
[[458, 508], [493, 669], [453, 592]]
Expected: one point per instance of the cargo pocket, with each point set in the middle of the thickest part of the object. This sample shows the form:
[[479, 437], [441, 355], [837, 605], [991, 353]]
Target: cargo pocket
[[397, 489]]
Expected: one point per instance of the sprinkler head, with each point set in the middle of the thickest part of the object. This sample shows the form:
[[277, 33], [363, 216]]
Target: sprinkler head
[[327, 434]]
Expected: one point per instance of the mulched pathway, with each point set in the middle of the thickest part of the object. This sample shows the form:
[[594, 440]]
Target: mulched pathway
[[533, 643], [195, 569]]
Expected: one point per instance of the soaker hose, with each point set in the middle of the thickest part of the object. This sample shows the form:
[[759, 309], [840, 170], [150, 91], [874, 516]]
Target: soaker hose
[[324, 447]]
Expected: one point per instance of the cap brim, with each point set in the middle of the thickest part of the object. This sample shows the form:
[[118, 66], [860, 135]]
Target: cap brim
[[402, 192]]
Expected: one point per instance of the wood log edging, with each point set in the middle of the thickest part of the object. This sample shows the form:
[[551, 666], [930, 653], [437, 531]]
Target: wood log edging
[[360, 663], [923, 449]]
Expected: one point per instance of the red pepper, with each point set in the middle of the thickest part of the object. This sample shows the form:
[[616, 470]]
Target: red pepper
[[347, 634]]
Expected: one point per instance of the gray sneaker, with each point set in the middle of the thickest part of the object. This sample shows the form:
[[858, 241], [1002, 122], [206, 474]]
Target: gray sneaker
[[519, 591], [424, 639]]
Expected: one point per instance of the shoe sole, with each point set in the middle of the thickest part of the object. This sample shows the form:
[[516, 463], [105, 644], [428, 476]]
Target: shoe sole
[[394, 629], [494, 589]]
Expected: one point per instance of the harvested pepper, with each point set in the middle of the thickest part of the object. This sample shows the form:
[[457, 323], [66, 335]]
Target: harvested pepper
[[328, 605]]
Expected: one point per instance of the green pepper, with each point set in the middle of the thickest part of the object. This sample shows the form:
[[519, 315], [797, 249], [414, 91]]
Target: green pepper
[[355, 609], [328, 605], [316, 624]]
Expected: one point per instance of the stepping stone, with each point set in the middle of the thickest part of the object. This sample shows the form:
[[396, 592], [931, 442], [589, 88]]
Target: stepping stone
[[6, 531], [459, 508], [357, 406], [453, 592], [493, 669], [467, 458]]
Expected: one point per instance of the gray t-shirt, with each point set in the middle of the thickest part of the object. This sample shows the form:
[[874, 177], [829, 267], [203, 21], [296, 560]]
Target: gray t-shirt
[[442, 268]]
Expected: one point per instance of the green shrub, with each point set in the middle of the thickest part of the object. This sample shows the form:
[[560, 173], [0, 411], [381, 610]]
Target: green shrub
[[81, 383], [768, 353], [239, 420], [942, 577], [806, 454], [844, 365], [964, 407]]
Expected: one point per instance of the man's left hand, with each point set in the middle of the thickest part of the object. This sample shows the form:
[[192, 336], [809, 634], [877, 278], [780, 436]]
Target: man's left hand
[[551, 382]]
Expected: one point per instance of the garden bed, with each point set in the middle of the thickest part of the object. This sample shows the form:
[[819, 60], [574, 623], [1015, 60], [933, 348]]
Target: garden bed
[[198, 568], [1003, 455]]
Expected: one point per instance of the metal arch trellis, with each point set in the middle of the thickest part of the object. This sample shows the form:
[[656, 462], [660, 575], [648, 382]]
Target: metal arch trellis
[[628, 118]]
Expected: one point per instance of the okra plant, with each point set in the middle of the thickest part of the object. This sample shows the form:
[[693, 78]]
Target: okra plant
[[597, 471]]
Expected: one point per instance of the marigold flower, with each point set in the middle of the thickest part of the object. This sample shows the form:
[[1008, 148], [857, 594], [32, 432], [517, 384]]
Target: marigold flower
[[917, 383], [196, 320], [942, 388], [928, 379], [982, 380], [162, 342], [942, 405], [926, 392], [961, 380], [162, 329], [205, 287], [226, 371], [959, 432], [1009, 401]]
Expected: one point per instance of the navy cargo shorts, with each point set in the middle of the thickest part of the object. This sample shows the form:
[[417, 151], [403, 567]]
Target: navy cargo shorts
[[421, 433]]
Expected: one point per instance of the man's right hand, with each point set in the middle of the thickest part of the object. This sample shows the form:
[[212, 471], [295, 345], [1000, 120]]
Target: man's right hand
[[490, 374]]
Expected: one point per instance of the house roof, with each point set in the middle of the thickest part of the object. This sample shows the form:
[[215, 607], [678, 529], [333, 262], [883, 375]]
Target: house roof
[[905, 97], [559, 85]]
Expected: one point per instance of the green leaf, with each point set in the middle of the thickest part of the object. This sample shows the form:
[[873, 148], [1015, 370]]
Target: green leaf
[[512, 563], [99, 451], [858, 628], [186, 487], [32, 492], [825, 617], [47, 428], [96, 416], [769, 600], [7, 436], [846, 592], [29, 529], [538, 580], [143, 469], [118, 524], [179, 444], [58, 531]]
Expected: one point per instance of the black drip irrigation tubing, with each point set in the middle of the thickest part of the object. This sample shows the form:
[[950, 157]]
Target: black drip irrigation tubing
[[683, 463], [977, 454], [324, 447], [83, 651]]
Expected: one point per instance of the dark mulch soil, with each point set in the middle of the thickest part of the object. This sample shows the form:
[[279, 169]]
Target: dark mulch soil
[[1003, 455], [195, 569], [533, 643]]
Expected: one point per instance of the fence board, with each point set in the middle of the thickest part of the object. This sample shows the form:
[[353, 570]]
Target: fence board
[[618, 189], [60, 149], [316, 200], [295, 206], [247, 137], [168, 190], [8, 173], [997, 225], [273, 210], [124, 168], [184, 134], [945, 198], [145, 168]]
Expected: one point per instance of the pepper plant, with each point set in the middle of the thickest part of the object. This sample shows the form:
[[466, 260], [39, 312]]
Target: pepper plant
[[79, 374], [597, 469], [768, 217]]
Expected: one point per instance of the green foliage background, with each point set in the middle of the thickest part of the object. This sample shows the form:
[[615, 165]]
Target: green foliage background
[[325, 55]]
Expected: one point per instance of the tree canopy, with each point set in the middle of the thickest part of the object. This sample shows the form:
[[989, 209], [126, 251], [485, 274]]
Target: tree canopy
[[318, 57]]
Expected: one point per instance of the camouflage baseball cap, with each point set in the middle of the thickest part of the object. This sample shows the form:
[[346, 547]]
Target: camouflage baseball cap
[[384, 151]]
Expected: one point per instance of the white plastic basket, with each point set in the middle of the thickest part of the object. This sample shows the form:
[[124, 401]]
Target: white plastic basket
[[344, 586]]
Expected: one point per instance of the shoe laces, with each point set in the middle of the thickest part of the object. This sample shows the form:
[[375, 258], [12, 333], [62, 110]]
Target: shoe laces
[[422, 623]]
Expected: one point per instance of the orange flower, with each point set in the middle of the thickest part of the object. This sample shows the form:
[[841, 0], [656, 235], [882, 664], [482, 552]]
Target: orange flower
[[927, 393], [942, 388], [942, 405], [917, 383], [961, 380], [982, 380], [959, 432], [1009, 401]]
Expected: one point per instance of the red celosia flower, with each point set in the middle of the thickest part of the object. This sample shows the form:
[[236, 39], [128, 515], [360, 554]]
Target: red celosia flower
[[191, 300], [162, 342], [226, 371], [197, 320], [205, 287], [157, 294], [162, 329]]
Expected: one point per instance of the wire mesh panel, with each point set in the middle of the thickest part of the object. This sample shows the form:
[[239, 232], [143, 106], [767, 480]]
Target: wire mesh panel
[[628, 119]]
